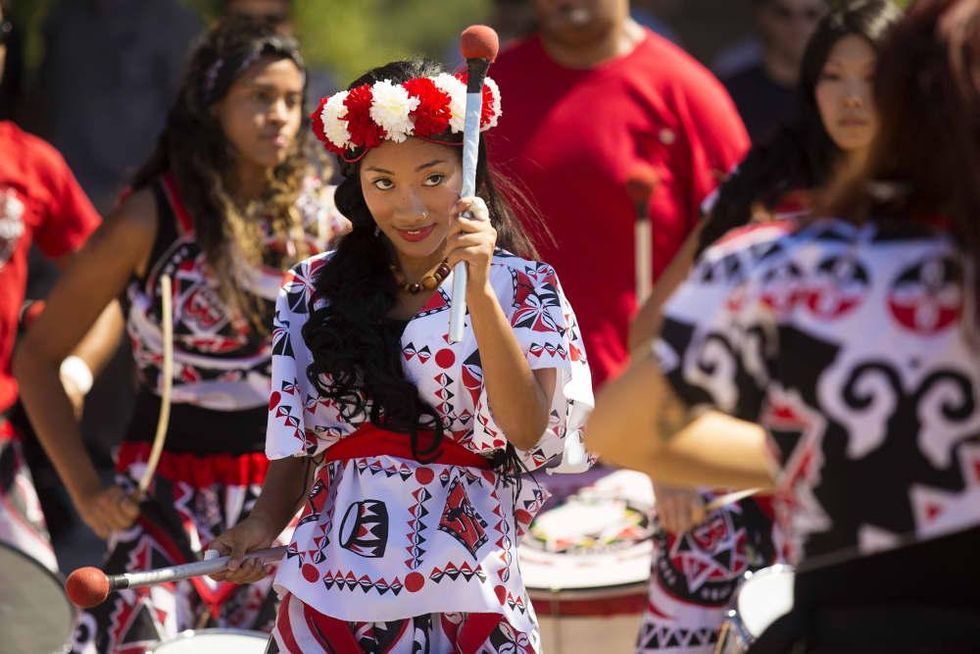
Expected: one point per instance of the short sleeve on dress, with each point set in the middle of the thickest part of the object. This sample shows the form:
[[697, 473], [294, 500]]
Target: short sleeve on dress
[[718, 334], [300, 422], [547, 331]]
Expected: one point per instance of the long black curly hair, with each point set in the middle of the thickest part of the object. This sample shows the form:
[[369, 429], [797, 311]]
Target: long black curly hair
[[351, 338], [800, 155]]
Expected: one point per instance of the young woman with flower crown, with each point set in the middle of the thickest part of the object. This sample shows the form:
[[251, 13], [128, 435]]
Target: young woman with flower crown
[[226, 203], [407, 541]]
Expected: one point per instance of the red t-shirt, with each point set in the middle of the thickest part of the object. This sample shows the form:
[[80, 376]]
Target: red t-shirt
[[40, 202], [571, 139]]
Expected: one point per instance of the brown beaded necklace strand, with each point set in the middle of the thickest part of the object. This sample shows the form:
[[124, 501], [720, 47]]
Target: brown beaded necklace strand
[[429, 282]]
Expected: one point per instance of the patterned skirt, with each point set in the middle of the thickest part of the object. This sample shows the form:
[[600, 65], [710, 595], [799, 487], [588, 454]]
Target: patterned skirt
[[696, 574], [192, 500], [302, 630]]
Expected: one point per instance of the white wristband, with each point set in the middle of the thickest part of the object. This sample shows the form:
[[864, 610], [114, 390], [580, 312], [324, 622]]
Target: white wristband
[[75, 369]]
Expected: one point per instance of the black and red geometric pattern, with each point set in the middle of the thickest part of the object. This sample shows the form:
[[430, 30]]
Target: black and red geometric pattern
[[461, 520], [364, 529], [214, 347], [417, 527], [446, 537], [300, 629], [851, 345], [176, 524]]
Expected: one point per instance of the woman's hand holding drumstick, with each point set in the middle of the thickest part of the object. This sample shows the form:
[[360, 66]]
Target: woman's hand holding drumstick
[[283, 491], [472, 240], [250, 535]]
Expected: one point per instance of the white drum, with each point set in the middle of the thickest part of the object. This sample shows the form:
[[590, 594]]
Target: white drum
[[765, 596], [586, 562], [215, 641], [35, 614]]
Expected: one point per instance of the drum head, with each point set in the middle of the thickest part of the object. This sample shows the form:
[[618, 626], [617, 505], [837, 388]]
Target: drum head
[[35, 614], [597, 538], [765, 596], [215, 641]]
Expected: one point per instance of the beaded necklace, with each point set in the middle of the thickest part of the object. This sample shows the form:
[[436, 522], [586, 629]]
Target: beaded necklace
[[429, 282]]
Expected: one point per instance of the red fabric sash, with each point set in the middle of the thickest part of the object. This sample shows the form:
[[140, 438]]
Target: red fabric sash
[[198, 470], [370, 440]]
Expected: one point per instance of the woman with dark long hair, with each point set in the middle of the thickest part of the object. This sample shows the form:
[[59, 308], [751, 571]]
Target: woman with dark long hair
[[408, 537], [852, 343], [836, 123], [224, 205], [778, 177]]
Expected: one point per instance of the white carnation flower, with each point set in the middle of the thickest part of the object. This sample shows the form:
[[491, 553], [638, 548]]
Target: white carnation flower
[[334, 125], [456, 91], [495, 94], [390, 109]]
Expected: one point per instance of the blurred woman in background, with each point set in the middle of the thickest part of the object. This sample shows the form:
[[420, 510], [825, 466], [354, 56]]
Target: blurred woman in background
[[223, 206]]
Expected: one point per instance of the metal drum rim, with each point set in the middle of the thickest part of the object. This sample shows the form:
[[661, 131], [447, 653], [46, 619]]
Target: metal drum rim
[[54, 576], [188, 634]]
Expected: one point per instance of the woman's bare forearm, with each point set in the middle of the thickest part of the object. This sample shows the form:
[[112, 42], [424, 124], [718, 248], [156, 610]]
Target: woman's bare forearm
[[519, 402], [283, 491], [640, 423]]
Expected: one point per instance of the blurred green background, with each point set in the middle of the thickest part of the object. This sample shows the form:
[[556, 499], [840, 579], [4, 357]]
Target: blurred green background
[[347, 36], [350, 36]]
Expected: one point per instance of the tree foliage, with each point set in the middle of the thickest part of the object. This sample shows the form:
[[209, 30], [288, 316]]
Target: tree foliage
[[350, 36]]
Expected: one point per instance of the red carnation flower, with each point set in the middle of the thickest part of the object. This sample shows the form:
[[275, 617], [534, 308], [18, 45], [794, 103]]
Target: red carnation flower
[[486, 111], [432, 115], [316, 118], [364, 132]]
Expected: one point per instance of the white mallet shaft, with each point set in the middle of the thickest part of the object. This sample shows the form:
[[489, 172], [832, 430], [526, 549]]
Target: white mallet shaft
[[478, 45], [471, 150], [187, 570]]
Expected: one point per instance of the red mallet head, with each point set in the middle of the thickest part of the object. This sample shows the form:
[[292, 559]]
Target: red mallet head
[[87, 587], [479, 42], [640, 185]]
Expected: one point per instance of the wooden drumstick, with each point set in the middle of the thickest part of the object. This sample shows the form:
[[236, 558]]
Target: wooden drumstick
[[730, 498], [640, 187], [163, 420], [90, 586]]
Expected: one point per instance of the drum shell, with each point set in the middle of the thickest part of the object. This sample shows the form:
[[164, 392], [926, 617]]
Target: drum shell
[[592, 601], [587, 621], [214, 641], [35, 614]]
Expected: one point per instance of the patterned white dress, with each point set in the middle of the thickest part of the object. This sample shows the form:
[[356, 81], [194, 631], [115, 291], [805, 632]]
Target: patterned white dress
[[385, 537]]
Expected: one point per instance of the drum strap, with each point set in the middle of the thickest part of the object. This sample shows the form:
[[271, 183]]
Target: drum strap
[[370, 440]]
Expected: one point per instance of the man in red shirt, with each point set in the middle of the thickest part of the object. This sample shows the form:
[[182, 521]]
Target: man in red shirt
[[586, 100], [40, 202]]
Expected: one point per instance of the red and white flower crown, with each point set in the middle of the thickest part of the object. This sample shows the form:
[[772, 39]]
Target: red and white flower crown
[[350, 122]]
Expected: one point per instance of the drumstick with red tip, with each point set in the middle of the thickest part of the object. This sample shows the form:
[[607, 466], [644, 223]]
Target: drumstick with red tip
[[479, 45], [89, 586], [640, 187]]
